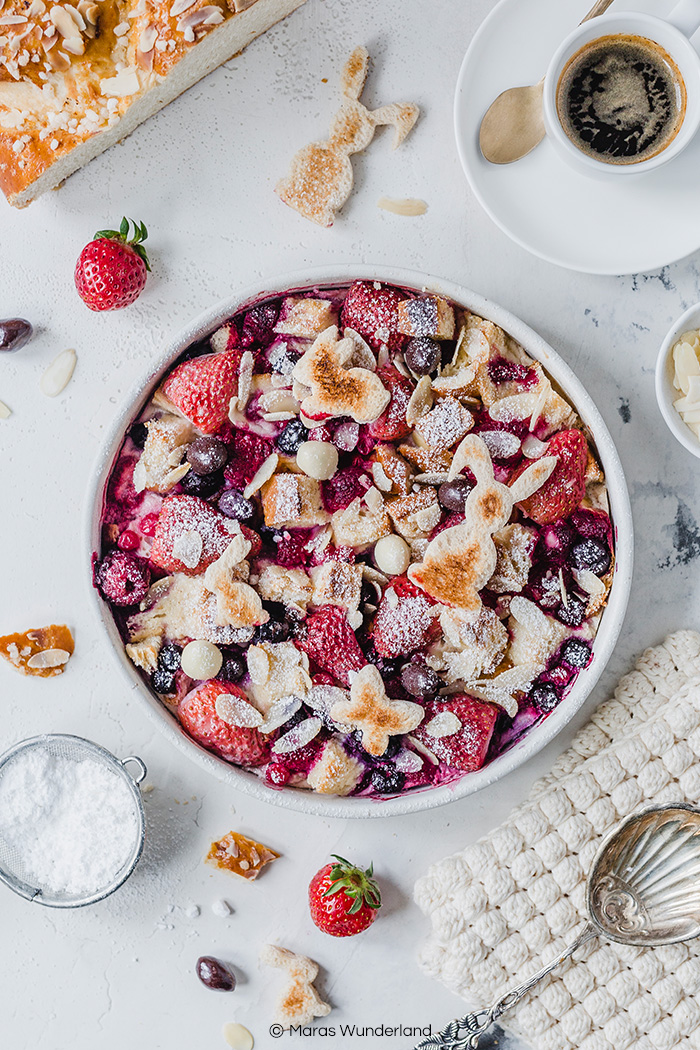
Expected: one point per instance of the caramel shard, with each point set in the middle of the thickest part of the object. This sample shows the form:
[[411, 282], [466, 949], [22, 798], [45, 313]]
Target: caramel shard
[[43, 651], [299, 1002], [240, 855]]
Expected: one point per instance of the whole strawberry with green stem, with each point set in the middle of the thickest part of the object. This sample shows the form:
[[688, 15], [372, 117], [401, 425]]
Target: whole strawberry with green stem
[[343, 899], [111, 270]]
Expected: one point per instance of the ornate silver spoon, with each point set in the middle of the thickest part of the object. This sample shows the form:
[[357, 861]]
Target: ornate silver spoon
[[643, 889]]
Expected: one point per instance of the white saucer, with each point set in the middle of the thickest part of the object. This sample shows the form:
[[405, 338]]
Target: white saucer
[[540, 202]]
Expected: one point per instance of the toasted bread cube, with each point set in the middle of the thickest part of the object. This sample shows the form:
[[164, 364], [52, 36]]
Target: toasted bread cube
[[415, 516], [359, 526], [305, 317], [429, 460], [337, 583], [395, 467], [430, 316], [515, 547], [292, 501], [336, 772], [291, 586], [446, 424]]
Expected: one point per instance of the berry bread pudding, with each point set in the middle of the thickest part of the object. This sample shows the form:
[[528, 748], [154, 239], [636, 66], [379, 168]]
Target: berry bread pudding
[[357, 542]]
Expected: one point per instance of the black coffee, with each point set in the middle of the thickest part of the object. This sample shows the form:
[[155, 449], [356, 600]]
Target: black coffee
[[621, 99]]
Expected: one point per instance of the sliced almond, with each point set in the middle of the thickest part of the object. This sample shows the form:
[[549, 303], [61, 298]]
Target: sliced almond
[[420, 402], [264, 473], [5, 410], [48, 658], [58, 375]]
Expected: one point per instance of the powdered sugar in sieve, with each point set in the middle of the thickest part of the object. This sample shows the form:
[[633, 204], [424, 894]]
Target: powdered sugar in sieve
[[71, 820]]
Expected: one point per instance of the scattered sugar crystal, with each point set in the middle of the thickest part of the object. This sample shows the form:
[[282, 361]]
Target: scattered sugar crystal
[[222, 909], [72, 822], [192, 911]]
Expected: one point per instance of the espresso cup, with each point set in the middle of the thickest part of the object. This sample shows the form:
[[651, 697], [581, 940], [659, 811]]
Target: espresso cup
[[670, 36]]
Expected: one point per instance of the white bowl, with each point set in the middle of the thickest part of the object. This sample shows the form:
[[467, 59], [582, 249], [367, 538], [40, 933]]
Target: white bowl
[[666, 392], [611, 622]]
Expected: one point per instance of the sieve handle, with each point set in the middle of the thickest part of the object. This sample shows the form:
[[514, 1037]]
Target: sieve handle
[[141, 766]]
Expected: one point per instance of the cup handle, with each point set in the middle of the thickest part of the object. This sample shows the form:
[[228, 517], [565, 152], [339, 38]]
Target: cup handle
[[685, 16]]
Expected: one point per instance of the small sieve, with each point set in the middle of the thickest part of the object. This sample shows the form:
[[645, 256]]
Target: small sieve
[[74, 748]]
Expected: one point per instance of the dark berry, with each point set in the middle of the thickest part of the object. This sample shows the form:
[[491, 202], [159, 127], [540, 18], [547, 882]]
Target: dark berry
[[544, 696], [163, 681], [574, 612], [214, 974], [422, 355], [292, 435], [14, 333], [420, 680], [202, 485], [232, 669], [128, 540], [272, 631], [234, 505], [591, 554], [138, 434], [576, 653], [258, 325], [206, 455], [452, 494], [122, 578], [169, 658], [387, 780]]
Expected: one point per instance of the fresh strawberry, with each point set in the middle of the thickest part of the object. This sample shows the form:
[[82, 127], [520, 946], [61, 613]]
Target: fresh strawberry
[[239, 744], [405, 620], [392, 425], [343, 900], [181, 520], [565, 487], [467, 748], [249, 453], [343, 488], [329, 640], [373, 313], [202, 388], [111, 270]]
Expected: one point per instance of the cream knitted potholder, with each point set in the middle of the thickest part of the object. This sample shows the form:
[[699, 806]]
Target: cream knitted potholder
[[508, 904]]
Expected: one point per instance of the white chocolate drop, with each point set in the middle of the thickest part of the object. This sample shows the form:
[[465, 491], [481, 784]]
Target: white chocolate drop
[[318, 459], [201, 660], [392, 555]]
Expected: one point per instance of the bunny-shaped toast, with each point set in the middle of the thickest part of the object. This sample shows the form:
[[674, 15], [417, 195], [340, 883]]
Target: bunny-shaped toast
[[320, 178], [461, 560]]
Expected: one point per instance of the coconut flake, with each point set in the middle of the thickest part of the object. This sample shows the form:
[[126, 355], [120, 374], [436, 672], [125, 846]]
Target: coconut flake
[[298, 736], [58, 375]]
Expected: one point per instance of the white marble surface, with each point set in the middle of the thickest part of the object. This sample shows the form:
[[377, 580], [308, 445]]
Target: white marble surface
[[201, 176]]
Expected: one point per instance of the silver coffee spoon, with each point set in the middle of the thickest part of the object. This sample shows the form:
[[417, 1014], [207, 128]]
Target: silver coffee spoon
[[512, 125], [643, 889]]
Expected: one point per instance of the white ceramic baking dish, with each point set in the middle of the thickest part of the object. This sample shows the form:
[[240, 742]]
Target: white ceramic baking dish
[[536, 737]]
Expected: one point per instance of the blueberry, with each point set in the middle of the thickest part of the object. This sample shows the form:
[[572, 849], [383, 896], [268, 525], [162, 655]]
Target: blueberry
[[163, 681], [576, 653], [138, 434], [292, 435], [14, 333], [169, 658], [573, 613], [422, 355], [591, 554], [234, 505], [387, 780], [206, 455], [419, 680], [233, 668], [544, 696], [452, 494], [202, 485], [272, 631]]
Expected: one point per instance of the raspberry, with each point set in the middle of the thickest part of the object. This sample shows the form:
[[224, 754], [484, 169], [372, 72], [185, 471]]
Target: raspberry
[[329, 640], [392, 425], [259, 324], [122, 578], [373, 313], [197, 713], [291, 549], [248, 454], [342, 489], [405, 625]]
